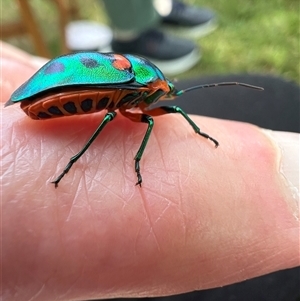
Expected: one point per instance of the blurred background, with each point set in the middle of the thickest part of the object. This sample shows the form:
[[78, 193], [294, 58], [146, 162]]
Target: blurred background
[[253, 36]]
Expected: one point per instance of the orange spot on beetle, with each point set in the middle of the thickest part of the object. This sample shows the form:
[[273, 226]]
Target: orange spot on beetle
[[120, 62]]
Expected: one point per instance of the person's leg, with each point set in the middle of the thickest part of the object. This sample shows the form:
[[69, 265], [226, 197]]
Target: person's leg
[[136, 16], [135, 24], [131, 16]]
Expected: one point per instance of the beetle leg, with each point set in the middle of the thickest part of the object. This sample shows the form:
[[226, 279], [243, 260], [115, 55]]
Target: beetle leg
[[107, 118], [138, 117], [174, 109]]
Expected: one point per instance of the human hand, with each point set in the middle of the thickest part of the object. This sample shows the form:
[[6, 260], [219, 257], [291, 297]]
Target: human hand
[[203, 218]]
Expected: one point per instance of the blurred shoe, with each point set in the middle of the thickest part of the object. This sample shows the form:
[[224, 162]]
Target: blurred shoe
[[172, 55], [187, 20]]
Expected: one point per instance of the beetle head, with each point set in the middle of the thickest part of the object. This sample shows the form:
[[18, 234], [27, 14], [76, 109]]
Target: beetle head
[[172, 93]]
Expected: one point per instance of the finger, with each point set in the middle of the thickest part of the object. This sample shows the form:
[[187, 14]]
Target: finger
[[204, 217], [16, 67]]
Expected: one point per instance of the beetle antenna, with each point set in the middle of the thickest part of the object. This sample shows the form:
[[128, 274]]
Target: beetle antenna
[[178, 93]]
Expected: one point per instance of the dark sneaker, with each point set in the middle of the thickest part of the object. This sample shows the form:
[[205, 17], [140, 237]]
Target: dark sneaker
[[190, 21], [172, 55]]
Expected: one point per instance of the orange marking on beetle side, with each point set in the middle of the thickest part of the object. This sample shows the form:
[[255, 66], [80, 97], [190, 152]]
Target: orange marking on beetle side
[[73, 101], [108, 99], [121, 62]]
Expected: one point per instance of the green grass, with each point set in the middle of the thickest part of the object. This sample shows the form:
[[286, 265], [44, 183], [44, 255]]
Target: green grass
[[253, 36]]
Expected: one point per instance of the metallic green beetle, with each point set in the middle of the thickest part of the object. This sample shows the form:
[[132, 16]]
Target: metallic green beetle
[[88, 82]]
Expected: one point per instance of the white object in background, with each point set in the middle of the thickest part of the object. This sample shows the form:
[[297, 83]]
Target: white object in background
[[87, 35]]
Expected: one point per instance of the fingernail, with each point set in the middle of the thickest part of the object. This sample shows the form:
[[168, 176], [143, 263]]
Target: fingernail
[[288, 143]]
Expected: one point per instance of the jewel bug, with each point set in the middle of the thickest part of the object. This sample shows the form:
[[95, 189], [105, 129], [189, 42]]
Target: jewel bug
[[88, 82]]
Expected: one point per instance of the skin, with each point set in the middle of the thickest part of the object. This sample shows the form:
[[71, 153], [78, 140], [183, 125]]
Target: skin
[[203, 218]]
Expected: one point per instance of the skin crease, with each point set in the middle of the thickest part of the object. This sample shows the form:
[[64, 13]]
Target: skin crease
[[203, 218]]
